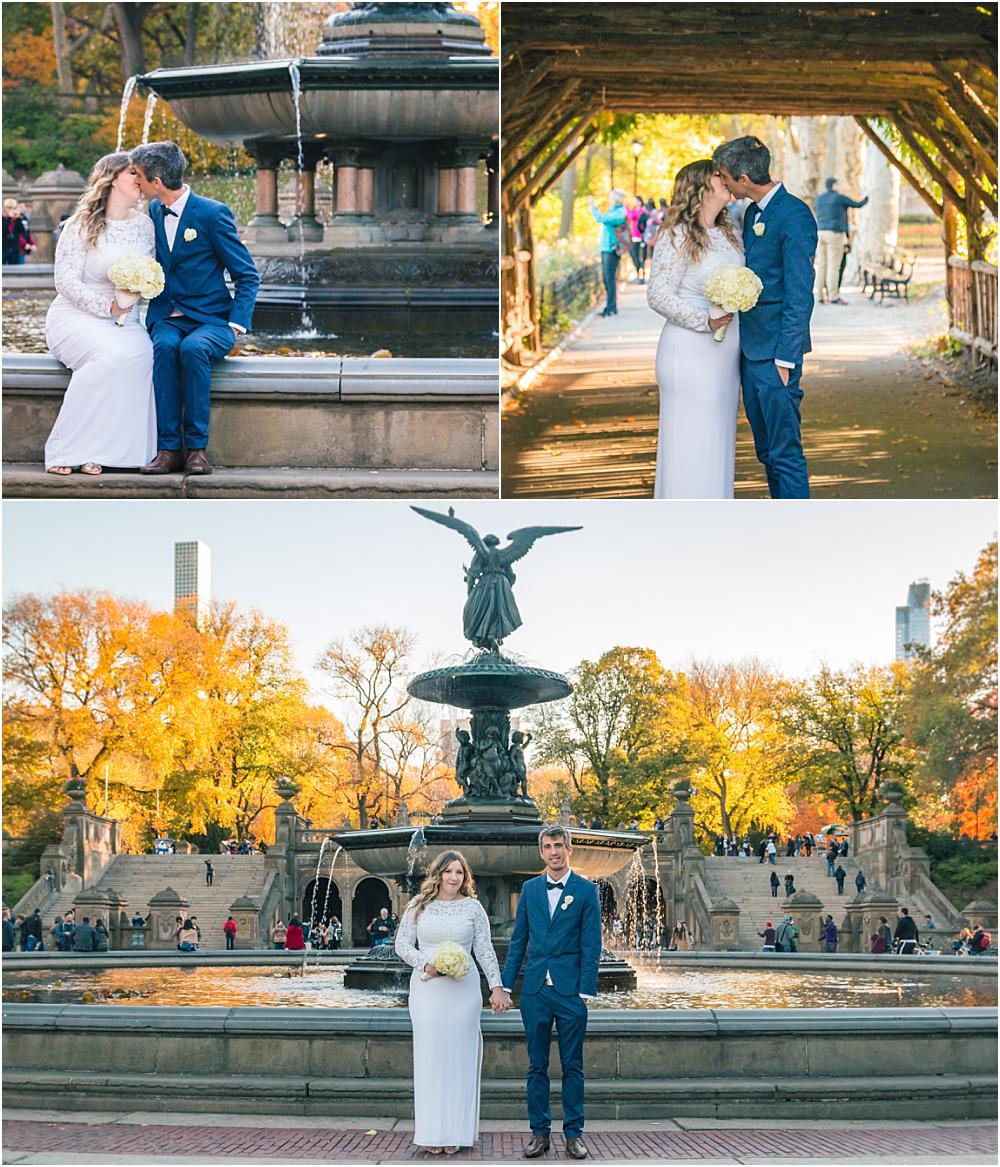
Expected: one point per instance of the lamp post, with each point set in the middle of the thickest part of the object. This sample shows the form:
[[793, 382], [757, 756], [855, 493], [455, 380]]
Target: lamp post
[[636, 151]]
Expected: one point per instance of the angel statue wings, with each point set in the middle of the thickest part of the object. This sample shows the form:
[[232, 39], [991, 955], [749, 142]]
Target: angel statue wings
[[490, 612]]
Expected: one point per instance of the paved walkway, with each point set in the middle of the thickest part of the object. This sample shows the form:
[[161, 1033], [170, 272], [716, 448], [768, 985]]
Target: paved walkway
[[44, 1137], [876, 423]]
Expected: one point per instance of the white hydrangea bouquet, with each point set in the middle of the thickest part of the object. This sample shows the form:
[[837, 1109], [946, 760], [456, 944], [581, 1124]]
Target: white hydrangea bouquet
[[135, 277], [733, 289], [450, 959]]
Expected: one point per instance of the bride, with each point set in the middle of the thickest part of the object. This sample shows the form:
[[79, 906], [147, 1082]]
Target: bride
[[447, 1040], [108, 417], [699, 378]]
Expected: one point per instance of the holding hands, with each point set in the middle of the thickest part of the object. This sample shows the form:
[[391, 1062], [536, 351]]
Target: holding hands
[[499, 1000]]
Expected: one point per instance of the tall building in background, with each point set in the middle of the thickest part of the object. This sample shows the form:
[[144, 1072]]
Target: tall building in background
[[913, 623], [193, 579]]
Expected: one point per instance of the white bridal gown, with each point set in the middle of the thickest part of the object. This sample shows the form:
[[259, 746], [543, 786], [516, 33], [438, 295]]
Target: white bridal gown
[[108, 415], [445, 1013], [699, 378]]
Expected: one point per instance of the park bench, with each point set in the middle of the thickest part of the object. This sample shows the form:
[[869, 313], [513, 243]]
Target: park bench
[[890, 276]]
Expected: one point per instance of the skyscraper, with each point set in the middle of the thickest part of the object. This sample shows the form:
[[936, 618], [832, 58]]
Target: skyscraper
[[913, 622], [193, 579]]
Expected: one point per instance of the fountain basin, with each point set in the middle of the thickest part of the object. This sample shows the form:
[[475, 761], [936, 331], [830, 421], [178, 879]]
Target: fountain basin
[[342, 98], [490, 681]]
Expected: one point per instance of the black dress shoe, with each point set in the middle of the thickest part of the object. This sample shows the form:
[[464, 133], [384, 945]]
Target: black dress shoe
[[165, 462], [539, 1145], [577, 1149], [197, 463]]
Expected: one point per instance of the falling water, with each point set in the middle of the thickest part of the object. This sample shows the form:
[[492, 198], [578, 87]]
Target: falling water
[[329, 884], [147, 121], [319, 860], [659, 899], [300, 165], [127, 92]]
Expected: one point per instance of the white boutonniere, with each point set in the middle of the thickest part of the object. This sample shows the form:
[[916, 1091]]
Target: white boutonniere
[[566, 902], [191, 234], [758, 229]]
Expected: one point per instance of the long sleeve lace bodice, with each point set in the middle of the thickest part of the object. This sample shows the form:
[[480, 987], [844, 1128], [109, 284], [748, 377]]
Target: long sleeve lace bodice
[[81, 270], [463, 921], [675, 282]]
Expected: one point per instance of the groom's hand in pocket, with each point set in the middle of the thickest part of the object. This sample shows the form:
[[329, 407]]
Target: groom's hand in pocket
[[782, 372]]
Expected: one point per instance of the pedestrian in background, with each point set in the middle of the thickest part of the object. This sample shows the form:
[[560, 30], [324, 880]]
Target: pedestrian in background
[[831, 220], [611, 220]]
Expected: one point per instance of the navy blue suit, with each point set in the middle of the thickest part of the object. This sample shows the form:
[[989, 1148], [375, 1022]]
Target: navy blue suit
[[566, 947], [778, 328], [185, 346]]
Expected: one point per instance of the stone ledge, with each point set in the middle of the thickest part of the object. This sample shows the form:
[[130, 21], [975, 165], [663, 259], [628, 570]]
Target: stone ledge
[[29, 480]]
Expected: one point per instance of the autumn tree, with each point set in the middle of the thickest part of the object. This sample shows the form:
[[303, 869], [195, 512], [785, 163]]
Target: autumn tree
[[368, 671], [740, 745], [619, 736], [847, 728], [952, 711]]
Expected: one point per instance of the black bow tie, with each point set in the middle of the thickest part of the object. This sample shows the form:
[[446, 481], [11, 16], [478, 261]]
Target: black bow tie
[[168, 211], [553, 886]]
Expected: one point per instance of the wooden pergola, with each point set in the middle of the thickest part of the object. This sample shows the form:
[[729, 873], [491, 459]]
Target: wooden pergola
[[929, 69]]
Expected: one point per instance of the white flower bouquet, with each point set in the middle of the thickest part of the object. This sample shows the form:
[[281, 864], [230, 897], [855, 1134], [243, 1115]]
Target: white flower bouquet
[[135, 277], [450, 959], [733, 289]]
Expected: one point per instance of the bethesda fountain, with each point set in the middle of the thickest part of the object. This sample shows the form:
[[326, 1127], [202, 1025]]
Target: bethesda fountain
[[402, 99], [493, 821]]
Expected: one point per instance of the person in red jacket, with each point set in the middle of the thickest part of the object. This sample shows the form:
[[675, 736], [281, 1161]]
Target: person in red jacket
[[295, 938], [230, 930]]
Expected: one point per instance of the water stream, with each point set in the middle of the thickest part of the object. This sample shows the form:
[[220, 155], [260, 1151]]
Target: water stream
[[147, 121], [127, 92]]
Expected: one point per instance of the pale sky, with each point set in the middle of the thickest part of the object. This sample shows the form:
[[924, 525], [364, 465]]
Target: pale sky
[[795, 584]]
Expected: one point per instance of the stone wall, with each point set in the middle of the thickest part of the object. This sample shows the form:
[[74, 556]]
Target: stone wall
[[892, 1064]]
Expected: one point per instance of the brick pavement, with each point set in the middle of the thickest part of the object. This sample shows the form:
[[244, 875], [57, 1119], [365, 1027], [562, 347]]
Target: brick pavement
[[105, 1138]]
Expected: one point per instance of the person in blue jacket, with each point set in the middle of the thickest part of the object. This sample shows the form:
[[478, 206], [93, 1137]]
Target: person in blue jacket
[[610, 246], [831, 218], [779, 243], [196, 319]]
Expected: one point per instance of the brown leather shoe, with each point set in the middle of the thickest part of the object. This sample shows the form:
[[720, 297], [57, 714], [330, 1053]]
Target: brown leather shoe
[[539, 1145], [577, 1149], [165, 462], [197, 463]]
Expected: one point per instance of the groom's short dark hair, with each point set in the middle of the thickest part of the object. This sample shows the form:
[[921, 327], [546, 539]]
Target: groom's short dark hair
[[162, 160], [747, 156], [556, 832]]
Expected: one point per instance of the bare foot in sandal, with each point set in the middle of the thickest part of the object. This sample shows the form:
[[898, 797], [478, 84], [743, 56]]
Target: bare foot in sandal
[[91, 468], [61, 470]]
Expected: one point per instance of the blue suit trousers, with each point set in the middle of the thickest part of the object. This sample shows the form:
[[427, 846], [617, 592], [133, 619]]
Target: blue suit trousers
[[538, 1010], [183, 352], [773, 411]]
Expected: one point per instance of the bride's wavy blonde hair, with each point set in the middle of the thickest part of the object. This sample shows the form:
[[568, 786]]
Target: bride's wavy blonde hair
[[692, 184], [91, 214], [432, 884]]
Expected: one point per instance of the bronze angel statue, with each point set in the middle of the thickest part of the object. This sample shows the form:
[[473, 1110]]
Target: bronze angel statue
[[490, 612]]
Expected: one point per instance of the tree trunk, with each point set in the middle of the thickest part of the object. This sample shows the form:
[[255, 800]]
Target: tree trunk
[[191, 35], [129, 18], [878, 222], [810, 141], [789, 163], [567, 195], [848, 167], [64, 63]]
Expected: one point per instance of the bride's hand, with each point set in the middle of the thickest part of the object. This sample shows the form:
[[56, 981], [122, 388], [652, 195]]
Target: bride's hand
[[430, 970], [716, 322], [499, 1000]]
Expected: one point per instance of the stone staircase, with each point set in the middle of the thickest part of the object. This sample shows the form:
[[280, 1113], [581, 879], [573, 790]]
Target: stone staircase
[[139, 877], [747, 883]]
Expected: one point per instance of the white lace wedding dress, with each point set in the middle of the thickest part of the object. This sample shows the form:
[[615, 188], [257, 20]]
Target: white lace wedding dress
[[445, 1013], [699, 378], [108, 415]]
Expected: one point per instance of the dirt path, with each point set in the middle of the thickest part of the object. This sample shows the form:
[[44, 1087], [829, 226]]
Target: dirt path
[[876, 422]]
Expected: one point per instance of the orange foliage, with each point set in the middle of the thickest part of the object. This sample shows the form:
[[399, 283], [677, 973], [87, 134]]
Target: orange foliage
[[974, 800], [30, 56], [810, 812]]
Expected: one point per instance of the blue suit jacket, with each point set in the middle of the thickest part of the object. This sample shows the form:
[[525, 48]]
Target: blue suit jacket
[[194, 271], [567, 946], [783, 257]]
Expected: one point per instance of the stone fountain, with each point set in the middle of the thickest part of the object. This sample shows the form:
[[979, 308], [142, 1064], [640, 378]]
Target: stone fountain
[[403, 100], [494, 821]]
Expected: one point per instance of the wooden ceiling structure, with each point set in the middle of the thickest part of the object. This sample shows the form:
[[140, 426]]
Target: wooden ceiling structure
[[929, 69]]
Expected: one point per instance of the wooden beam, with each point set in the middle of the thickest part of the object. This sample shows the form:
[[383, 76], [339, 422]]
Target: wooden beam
[[901, 166], [522, 129], [535, 180], [519, 81], [933, 169], [538, 149], [967, 102], [923, 122], [981, 154], [589, 134]]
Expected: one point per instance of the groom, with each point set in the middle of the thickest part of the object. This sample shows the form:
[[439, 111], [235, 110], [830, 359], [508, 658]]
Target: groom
[[779, 240], [558, 924], [195, 320]]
